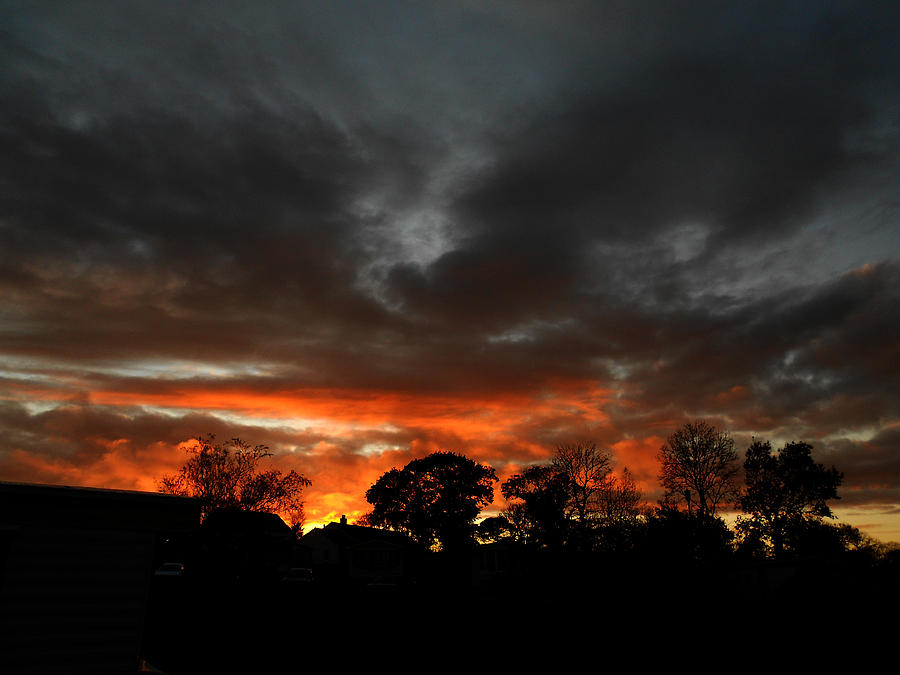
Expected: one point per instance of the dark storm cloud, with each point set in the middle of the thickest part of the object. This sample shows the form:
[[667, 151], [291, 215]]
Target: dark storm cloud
[[827, 356], [162, 221], [170, 143], [180, 195], [691, 206], [868, 466], [745, 137], [746, 145]]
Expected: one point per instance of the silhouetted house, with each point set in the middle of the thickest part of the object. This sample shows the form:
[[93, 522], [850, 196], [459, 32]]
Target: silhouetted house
[[496, 563], [75, 571], [771, 578], [243, 546], [355, 553]]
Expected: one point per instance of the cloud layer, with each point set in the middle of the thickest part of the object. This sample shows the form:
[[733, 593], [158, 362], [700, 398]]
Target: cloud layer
[[362, 234]]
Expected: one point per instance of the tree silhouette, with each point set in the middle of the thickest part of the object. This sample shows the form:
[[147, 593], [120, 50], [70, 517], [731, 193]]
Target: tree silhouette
[[538, 502], [699, 468], [227, 476], [618, 501], [435, 499], [492, 529], [786, 493], [585, 468], [678, 537], [564, 502]]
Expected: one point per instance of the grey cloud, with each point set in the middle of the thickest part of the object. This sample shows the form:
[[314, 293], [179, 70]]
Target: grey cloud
[[622, 194]]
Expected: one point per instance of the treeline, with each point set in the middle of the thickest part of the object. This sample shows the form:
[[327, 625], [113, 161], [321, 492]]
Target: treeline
[[573, 503], [577, 504], [575, 535]]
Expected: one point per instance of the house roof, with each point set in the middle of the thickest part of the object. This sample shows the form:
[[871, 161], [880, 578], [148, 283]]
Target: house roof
[[233, 519], [351, 536], [64, 506]]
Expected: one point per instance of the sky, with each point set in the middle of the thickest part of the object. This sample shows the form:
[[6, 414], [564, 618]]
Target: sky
[[360, 232]]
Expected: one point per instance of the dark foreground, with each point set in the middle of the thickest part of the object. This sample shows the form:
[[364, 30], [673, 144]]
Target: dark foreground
[[276, 628]]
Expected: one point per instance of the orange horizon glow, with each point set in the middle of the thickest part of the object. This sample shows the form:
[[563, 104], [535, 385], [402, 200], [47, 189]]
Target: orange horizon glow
[[363, 434], [484, 427]]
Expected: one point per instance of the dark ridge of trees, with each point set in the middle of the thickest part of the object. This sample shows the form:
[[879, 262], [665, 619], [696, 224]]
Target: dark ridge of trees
[[575, 537], [235, 607], [574, 504], [227, 476]]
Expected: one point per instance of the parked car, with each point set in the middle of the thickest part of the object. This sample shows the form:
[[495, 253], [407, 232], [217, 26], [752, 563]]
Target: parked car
[[170, 569], [298, 575]]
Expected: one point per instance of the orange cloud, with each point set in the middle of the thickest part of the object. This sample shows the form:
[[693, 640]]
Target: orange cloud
[[361, 434]]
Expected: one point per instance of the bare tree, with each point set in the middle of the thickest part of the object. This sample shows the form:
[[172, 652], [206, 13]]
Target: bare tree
[[618, 502], [556, 504], [699, 468], [226, 475], [586, 468]]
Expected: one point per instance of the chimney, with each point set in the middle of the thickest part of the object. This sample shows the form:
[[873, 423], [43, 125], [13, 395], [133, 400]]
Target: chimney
[[343, 520]]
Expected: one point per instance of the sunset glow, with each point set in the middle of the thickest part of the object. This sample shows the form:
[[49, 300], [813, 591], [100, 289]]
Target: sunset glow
[[358, 237]]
